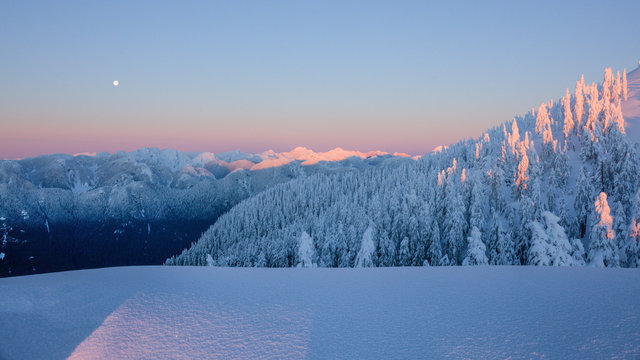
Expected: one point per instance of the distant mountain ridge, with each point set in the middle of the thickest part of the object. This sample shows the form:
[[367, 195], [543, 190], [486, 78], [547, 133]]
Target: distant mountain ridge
[[236, 159]]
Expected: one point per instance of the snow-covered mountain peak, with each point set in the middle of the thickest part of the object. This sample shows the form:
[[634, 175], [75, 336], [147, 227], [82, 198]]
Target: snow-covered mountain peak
[[201, 163]]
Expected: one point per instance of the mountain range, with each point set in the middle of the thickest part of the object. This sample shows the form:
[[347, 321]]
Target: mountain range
[[63, 212]]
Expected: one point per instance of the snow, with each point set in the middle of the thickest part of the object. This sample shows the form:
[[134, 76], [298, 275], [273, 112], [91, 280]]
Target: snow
[[232, 160], [310, 157], [373, 313], [237, 165], [305, 251], [80, 187], [549, 243], [439, 148], [475, 250], [604, 213], [631, 107], [367, 249]]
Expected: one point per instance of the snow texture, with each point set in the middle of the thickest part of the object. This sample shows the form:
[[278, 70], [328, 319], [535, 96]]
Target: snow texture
[[377, 313]]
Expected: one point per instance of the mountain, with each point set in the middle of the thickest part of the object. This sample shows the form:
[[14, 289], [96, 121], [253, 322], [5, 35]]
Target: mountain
[[236, 159], [555, 186], [62, 212]]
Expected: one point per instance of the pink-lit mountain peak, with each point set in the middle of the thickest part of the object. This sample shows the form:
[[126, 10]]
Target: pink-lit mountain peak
[[194, 163], [237, 160], [310, 157]]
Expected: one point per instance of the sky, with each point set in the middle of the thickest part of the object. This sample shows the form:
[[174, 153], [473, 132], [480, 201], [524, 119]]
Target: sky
[[215, 76]]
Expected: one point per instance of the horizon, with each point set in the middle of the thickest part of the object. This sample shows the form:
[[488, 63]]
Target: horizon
[[217, 77], [323, 150], [299, 147]]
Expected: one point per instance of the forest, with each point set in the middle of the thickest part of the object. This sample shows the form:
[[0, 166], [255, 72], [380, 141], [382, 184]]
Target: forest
[[555, 186]]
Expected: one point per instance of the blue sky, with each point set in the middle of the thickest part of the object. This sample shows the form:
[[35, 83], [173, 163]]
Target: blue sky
[[394, 75]]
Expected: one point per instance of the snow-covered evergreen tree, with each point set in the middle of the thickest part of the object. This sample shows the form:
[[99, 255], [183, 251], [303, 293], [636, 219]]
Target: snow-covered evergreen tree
[[478, 201], [579, 105], [561, 248], [549, 243], [583, 202], [306, 251], [476, 249], [632, 246], [602, 248], [434, 249], [577, 252], [501, 246], [454, 223], [620, 229], [367, 249], [568, 116], [404, 253]]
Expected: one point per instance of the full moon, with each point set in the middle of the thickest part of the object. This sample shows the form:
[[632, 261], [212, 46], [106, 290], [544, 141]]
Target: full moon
[[116, 82]]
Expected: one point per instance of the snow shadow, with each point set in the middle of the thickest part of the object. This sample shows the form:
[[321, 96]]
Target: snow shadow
[[46, 316], [153, 325]]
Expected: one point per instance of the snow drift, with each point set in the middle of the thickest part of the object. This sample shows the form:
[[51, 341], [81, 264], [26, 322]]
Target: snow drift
[[409, 313]]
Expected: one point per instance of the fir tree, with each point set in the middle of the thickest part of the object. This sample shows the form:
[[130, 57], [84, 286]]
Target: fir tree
[[404, 254], [583, 202], [602, 249], [367, 250], [306, 251], [579, 104], [434, 249], [454, 223], [549, 243], [568, 116], [475, 249]]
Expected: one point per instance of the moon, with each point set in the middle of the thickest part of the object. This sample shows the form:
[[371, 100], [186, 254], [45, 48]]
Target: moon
[[116, 82]]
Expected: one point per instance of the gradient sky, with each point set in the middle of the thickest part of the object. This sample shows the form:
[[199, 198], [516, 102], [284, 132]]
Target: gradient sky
[[255, 75]]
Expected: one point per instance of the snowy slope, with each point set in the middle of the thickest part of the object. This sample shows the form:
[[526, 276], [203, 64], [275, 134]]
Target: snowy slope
[[205, 312], [631, 107]]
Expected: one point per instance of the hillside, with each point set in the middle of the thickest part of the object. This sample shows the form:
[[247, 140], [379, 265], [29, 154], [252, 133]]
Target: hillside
[[408, 313], [555, 186], [61, 212]]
